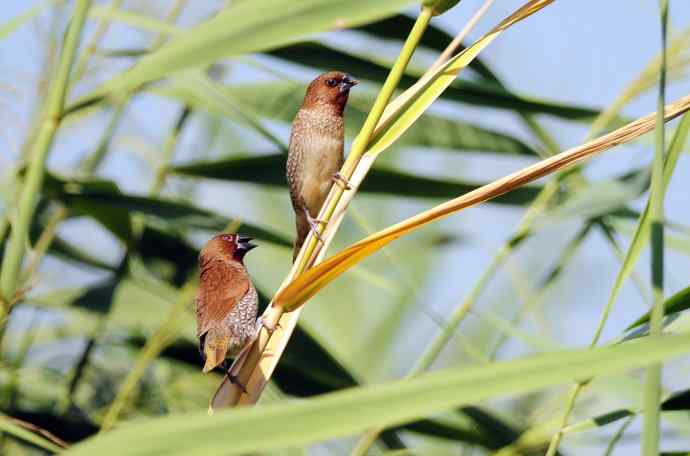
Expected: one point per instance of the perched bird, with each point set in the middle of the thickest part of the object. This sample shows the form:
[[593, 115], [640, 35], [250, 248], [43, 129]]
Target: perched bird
[[227, 302], [315, 153]]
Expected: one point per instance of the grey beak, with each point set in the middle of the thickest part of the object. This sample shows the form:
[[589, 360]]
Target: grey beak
[[347, 82], [244, 244]]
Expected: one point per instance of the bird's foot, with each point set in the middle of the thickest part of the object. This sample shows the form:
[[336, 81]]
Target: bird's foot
[[338, 179], [314, 225], [261, 323]]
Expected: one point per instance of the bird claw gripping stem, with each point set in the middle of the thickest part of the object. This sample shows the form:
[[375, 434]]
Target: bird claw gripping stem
[[314, 225], [339, 180]]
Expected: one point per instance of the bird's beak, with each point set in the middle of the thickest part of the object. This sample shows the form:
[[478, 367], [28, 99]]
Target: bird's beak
[[347, 82], [244, 244]]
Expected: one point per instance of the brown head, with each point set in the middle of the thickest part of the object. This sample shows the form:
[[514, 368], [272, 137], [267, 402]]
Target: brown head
[[330, 88], [234, 246]]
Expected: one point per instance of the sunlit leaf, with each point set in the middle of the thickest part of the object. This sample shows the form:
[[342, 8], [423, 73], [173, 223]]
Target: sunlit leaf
[[344, 413]]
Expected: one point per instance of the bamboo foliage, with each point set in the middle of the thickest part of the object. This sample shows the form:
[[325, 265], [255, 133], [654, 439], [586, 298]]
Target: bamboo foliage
[[396, 118], [101, 333]]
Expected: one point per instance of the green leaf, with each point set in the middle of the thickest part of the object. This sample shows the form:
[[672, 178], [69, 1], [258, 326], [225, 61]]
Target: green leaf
[[12, 25], [286, 98], [677, 303], [102, 200], [246, 27], [270, 170], [486, 93], [397, 27], [439, 6], [343, 413], [10, 427]]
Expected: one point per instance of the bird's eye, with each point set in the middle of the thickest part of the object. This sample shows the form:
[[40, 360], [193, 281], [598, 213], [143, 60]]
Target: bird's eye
[[331, 82]]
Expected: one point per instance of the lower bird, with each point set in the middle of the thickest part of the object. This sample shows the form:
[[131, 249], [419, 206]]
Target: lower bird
[[315, 153], [227, 302]]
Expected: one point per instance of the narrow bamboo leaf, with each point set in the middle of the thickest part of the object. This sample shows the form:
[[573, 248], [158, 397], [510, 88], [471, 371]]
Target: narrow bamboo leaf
[[641, 234], [270, 170], [134, 19], [12, 428], [286, 98], [396, 28], [343, 413], [245, 27], [674, 304], [10, 26], [401, 116], [486, 93], [103, 201]]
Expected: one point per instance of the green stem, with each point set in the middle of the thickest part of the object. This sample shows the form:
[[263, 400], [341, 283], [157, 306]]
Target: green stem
[[14, 254], [361, 142], [652, 390]]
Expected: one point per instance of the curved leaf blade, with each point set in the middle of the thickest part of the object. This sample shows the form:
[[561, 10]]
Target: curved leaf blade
[[343, 413]]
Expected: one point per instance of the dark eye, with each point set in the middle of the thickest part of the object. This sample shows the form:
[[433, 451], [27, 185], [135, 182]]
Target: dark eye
[[331, 82]]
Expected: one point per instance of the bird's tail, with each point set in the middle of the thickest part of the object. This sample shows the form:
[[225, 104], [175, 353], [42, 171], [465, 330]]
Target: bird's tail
[[302, 232], [215, 348]]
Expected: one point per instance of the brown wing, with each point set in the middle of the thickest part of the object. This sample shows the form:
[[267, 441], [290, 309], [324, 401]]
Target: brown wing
[[221, 286]]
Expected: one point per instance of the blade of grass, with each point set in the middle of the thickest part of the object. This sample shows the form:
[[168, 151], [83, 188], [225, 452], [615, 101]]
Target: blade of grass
[[244, 430], [10, 26], [652, 388], [55, 102], [32, 434]]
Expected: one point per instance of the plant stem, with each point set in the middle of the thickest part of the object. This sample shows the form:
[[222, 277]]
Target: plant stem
[[14, 254], [652, 390]]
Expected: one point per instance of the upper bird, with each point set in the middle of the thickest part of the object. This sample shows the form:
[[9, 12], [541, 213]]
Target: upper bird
[[227, 302], [315, 154]]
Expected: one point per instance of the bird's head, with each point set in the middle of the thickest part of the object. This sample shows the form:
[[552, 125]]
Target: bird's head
[[233, 245], [330, 88]]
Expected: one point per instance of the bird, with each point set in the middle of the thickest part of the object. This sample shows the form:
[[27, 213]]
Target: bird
[[315, 150], [226, 301]]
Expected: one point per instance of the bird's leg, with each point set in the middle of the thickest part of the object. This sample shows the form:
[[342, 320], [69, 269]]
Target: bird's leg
[[261, 323], [338, 179], [314, 224]]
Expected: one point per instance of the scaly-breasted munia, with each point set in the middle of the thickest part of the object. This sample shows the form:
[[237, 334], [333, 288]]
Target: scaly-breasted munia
[[227, 302], [315, 154]]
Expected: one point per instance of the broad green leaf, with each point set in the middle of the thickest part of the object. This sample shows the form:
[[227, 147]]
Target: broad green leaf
[[270, 170], [439, 6], [246, 27], [344, 413]]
